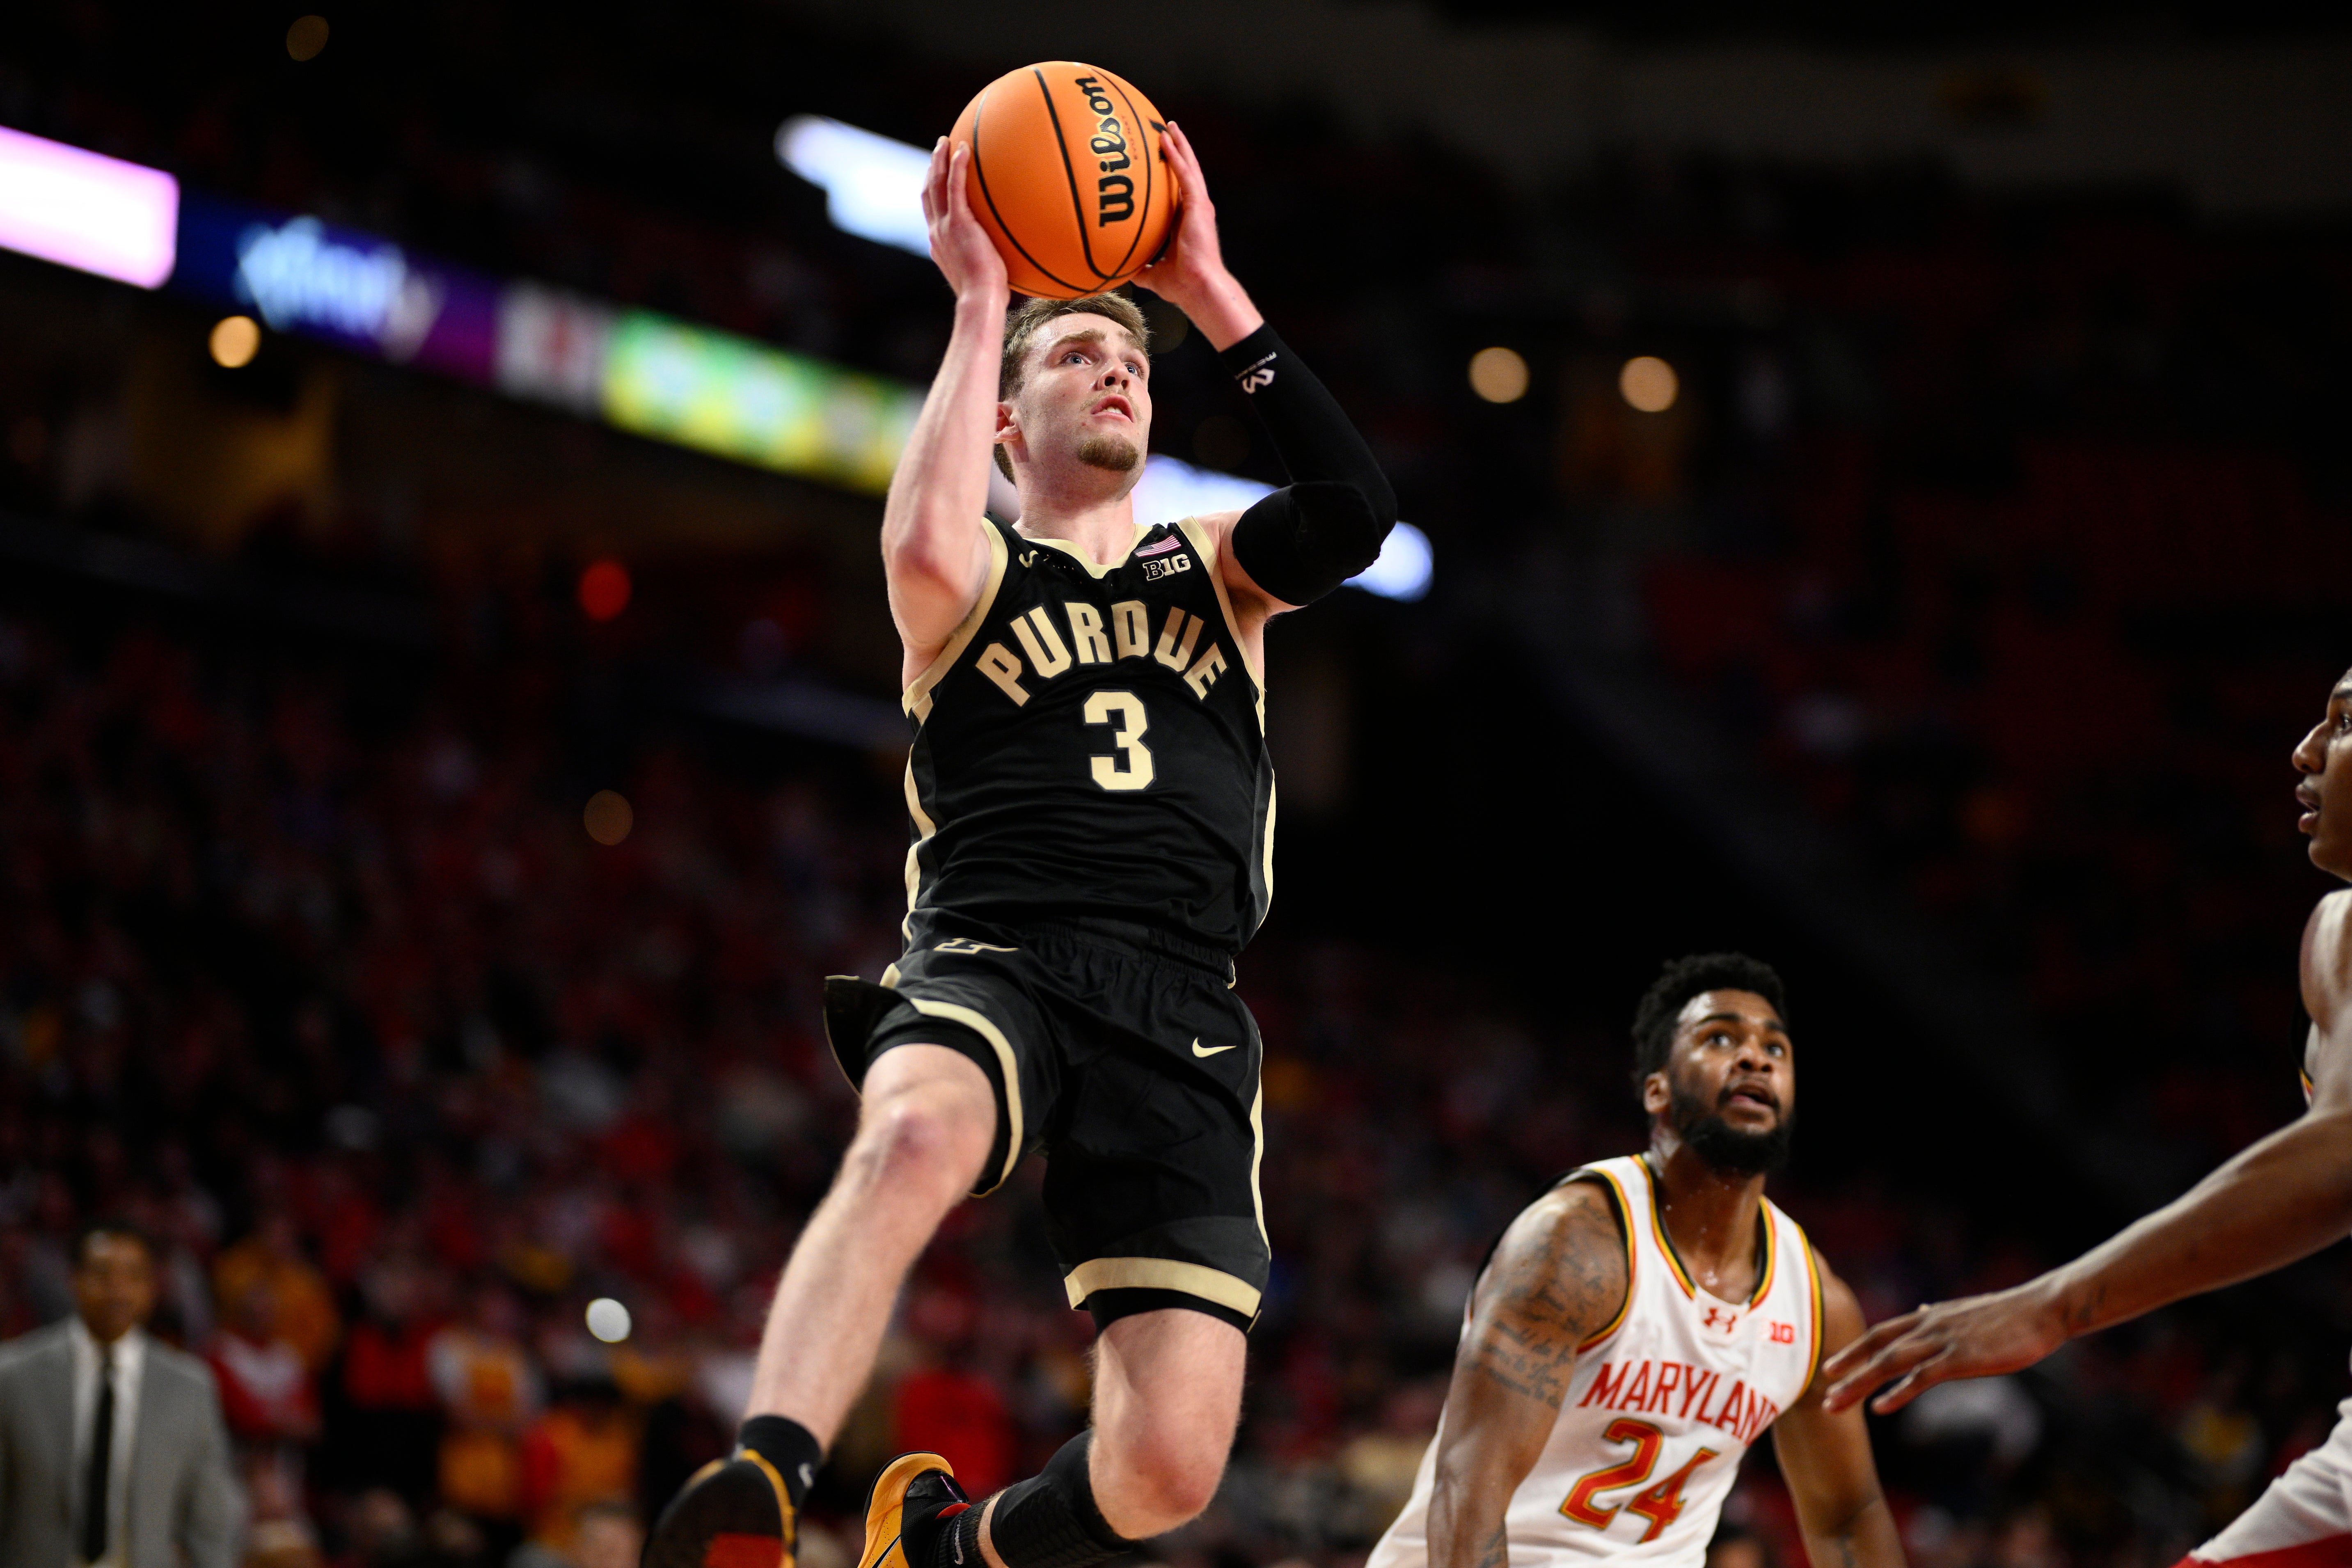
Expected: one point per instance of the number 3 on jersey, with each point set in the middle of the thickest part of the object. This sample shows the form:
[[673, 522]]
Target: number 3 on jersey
[[1660, 1505], [1131, 766]]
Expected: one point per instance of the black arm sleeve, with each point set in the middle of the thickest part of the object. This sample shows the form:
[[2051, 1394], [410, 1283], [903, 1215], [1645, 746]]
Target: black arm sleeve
[[1329, 523]]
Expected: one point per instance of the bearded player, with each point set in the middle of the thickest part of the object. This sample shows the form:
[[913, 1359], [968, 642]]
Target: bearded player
[[1092, 811], [1644, 1322], [2281, 1200]]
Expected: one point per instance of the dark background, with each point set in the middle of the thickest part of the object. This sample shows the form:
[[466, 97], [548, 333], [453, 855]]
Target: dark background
[[1944, 644]]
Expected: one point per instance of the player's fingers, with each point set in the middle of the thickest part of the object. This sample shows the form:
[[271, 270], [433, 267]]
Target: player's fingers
[[1856, 1385], [957, 193], [935, 179], [1920, 1379], [1874, 1340], [1888, 1357], [1190, 184]]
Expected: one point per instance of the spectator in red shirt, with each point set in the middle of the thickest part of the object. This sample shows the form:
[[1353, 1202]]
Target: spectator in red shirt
[[266, 1395], [389, 1425]]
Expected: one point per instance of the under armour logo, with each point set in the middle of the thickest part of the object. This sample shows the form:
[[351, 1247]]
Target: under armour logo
[[1717, 1318]]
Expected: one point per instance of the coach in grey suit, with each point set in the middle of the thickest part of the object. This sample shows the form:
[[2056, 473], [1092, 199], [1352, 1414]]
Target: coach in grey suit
[[111, 1449]]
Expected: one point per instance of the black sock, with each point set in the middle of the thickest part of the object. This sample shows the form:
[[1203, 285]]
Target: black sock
[[791, 1447], [1052, 1520], [960, 1542]]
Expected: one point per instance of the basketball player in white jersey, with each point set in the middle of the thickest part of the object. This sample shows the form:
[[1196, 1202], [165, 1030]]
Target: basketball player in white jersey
[[1640, 1325], [2281, 1200]]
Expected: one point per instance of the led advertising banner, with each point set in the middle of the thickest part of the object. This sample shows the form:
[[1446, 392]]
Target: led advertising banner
[[86, 210], [352, 289], [647, 373], [735, 399]]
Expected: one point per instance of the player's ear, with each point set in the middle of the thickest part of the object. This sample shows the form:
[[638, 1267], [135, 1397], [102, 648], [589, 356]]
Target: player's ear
[[1655, 1094]]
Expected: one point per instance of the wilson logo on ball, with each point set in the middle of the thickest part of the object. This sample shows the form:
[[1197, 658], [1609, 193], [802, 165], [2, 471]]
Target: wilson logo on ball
[[1113, 192], [1067, 177]]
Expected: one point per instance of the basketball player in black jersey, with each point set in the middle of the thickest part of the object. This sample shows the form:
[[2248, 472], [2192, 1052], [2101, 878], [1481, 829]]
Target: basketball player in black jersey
[[1092, 814]]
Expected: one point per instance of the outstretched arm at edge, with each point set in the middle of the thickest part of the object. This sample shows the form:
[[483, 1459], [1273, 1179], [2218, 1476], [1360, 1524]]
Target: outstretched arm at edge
[[1557, 1276], [2281, 1200], [1825, 1458], [934, 552], [1327, 524]]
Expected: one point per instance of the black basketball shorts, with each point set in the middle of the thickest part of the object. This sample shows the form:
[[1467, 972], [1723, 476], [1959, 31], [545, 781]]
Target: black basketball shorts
[[1128, 1060]]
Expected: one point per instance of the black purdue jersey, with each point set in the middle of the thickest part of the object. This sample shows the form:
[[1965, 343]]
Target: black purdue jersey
[[1091, 744]]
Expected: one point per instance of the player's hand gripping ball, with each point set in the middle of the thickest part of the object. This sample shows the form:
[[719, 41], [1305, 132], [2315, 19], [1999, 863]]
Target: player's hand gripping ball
[[1066, 177]]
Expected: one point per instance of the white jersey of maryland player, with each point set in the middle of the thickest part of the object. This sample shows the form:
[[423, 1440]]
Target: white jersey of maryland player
[[1661, 1406]]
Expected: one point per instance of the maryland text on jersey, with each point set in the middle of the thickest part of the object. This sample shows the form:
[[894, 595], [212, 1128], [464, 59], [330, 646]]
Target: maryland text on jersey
[[1661, 1404]]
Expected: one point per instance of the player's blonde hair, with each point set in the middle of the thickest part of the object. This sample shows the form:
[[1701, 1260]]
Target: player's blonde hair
[[1021, 329]]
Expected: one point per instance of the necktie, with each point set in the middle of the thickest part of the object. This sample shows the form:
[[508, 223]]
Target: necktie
[[95, 1491]]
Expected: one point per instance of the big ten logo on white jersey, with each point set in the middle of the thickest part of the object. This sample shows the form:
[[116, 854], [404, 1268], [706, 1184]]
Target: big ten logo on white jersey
[[1096, 636], [1661, 1406]]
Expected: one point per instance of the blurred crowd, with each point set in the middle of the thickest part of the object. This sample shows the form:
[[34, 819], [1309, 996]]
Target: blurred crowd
[[2013, 538], [472, 1145]]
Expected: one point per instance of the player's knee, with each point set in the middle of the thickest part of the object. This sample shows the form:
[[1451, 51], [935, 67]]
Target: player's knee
[[1159, 1484], [915, 1142]]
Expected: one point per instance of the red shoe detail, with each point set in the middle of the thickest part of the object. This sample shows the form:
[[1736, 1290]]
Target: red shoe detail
[[743, 1552]]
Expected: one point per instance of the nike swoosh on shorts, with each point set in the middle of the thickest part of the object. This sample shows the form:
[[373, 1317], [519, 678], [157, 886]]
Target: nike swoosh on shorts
[[1200, 1050]]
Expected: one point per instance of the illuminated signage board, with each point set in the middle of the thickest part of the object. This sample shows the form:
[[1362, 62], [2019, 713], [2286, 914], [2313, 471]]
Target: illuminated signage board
[[734, 399], [352, 289], [85, 210], [647, 373]]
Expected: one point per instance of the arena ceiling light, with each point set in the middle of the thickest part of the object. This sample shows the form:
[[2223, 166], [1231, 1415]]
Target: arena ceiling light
[[1405, 569], [873, 185], [85, 210]]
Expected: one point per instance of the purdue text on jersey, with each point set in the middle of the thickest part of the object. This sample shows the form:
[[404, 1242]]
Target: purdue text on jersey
[[1091, 743]]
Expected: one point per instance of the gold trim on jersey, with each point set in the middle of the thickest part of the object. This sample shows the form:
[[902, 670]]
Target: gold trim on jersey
[[917, 699], [1765, 1212], [1159, 1274], [977, 1021], [1813, 1275], [1632, 1264], [1207, 546], [924, 829], [1070, 549], [1257, 1160], [1658, 1230], [1273, 796], [1674, 1259]]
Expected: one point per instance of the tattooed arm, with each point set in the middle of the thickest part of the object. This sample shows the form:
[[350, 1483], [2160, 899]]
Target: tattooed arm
[[1825, 1458], [1558, 1275]]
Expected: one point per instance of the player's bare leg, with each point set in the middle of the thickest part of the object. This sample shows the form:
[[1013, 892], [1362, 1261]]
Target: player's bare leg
[[1168, 1396], [924, 1128]]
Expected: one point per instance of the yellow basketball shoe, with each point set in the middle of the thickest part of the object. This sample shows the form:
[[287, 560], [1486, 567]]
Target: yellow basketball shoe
[[913, 1499]]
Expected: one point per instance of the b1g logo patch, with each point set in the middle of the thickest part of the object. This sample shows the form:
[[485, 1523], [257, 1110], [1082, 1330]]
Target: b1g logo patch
[[1155, 570]]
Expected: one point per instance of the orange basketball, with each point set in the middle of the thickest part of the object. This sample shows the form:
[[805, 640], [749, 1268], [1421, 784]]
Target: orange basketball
[[1067, 177]]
